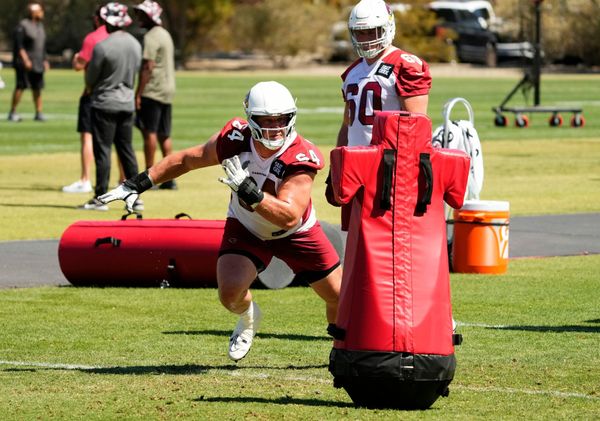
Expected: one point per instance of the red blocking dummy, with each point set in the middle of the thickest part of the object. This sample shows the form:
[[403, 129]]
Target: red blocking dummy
[[141, 252], [394, 345]]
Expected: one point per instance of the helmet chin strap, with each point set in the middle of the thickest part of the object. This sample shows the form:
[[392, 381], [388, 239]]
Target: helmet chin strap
[[370, 53], [269, 144]]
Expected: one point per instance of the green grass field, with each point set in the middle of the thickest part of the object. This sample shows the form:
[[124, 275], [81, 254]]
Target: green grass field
[[540, 170], [532, 336]]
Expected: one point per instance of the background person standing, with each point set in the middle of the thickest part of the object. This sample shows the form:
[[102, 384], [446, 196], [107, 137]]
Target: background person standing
[[156, 85], [110, 77], [29, 60], [84, 117]]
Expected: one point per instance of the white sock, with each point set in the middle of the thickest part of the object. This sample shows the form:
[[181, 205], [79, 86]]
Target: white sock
[[248, 316]]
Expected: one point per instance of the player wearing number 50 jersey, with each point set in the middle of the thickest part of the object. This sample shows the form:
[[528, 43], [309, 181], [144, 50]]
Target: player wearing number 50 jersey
[[270, 169], [384, 78]]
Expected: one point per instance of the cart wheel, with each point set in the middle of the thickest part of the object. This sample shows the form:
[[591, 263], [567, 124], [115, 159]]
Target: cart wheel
[[556, 120], [500, 121], [521, 121], [577, 120]]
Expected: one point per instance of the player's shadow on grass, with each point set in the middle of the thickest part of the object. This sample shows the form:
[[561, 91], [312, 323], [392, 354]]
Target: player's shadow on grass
[[260, 334], [284, 400], [36, 205], [187, 369], [35, 187], [551, 329]]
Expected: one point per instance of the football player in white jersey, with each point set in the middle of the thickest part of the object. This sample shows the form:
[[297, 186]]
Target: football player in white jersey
[[383, 78], [270, 169]]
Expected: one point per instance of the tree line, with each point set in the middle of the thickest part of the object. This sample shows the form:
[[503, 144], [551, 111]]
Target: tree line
[[281, 29]]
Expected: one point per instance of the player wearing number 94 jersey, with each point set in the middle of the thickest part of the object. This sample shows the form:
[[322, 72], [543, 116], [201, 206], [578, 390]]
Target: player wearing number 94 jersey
[[295, 156], [270, 170], [384, 78]]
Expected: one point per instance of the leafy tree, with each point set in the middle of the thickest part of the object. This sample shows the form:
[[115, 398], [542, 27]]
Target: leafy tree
[[416, 33], [192, 24], [283, 28]]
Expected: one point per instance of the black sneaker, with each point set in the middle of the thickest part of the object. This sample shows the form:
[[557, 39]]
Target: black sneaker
[[93, 204], [39, 117], [168, 185]]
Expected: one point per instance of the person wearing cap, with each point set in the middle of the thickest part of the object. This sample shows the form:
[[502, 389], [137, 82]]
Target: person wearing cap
[[84, 117], [110, 77], [29, 60], [156, 85]]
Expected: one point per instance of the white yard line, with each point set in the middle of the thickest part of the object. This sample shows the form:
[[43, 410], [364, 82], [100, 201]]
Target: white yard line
[[49, 365], [239, 373], [484, 325], [555, 393]]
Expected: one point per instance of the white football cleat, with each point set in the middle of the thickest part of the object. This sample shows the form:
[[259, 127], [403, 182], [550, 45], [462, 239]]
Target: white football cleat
[[78, 187], [240, 340]]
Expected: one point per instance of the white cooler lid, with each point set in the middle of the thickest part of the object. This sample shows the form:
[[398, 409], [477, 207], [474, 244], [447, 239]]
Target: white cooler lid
[[486, 205]]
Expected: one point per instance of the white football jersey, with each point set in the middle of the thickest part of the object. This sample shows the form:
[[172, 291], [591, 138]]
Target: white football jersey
[[297, 154], [380, 87]]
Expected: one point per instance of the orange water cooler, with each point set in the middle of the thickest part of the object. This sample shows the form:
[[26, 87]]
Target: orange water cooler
[[481, 237]]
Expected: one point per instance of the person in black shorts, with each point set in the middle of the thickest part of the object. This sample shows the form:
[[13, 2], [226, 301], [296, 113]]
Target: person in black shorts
[[29, 60], [153, 118], [156, 85]]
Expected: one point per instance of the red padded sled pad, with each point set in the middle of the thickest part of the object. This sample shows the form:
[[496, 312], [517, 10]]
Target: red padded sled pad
[[141, 252]]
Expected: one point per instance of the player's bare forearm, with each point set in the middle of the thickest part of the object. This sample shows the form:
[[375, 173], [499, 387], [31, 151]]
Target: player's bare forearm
[[416, 104], [181, 162], [286, 209], [342, 138]]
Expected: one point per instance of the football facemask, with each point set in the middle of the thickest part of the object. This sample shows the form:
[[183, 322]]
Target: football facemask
[[270, 99], [268, 136]]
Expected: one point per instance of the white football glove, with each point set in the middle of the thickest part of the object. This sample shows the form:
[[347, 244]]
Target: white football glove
[[121, 192], [234, 172]]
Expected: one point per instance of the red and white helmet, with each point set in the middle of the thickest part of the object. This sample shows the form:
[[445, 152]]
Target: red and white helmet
[[270, 99], [372, 14]]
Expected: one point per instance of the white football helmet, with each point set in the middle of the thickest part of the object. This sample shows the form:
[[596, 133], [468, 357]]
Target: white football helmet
[[371, 14], [270, 99]]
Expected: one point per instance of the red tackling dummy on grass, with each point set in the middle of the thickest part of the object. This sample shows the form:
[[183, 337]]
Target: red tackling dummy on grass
[[137, 252], [394, 347]]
